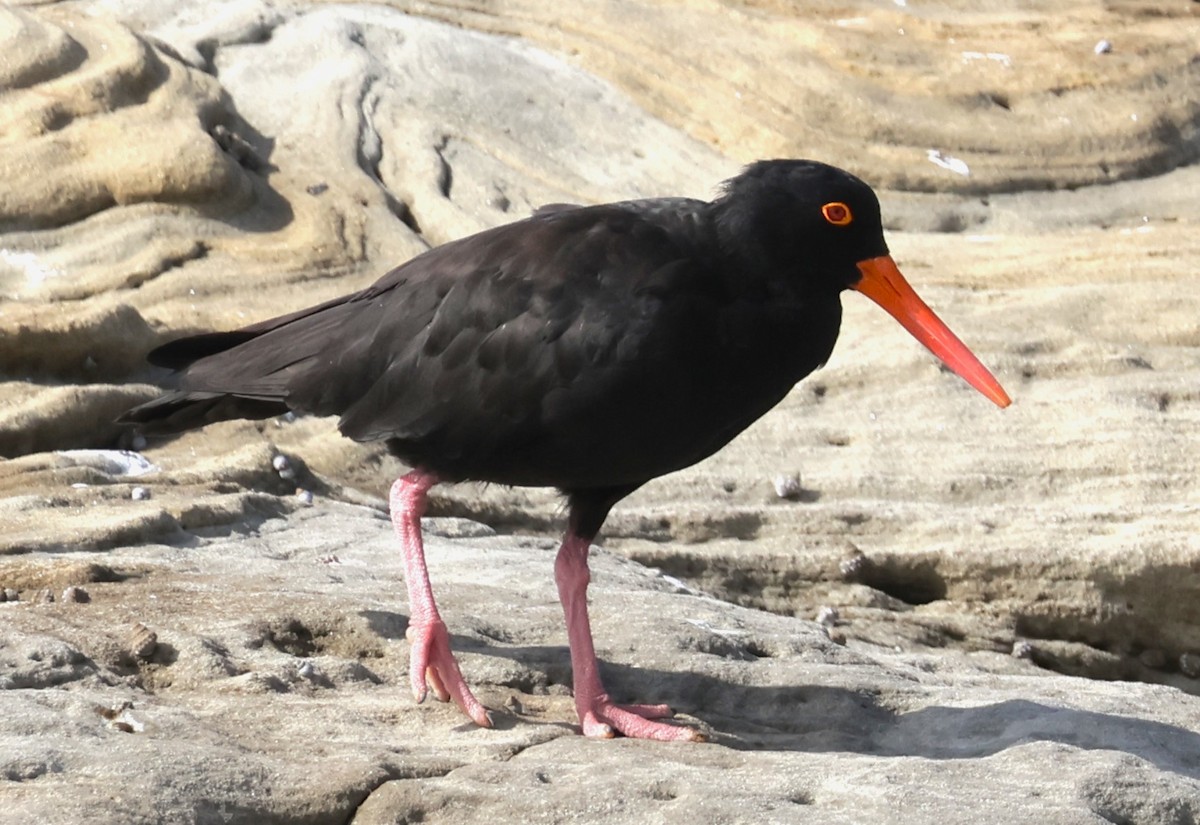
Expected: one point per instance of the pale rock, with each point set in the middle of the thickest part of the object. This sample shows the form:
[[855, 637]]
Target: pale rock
[[176, 167]]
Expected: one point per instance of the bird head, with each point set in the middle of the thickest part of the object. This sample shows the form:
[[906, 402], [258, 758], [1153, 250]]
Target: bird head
[[825, 223]]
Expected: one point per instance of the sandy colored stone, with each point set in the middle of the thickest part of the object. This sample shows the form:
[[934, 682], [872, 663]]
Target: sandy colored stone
[[213, 186], [98, 119], [1014, 91], [278, 690], [250, 204]]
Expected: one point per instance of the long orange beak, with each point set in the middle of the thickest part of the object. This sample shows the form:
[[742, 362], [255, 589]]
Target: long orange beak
[[883, 284]]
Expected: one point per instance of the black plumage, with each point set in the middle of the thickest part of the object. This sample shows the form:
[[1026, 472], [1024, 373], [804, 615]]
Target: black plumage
[[585, 348], [579, 348]]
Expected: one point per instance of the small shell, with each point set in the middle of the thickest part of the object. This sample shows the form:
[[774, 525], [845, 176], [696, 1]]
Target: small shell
[[114, 712], [852, 567], [787, 485], [827, 616], [1102, 47], [283, 466], [1022, 649], [10, 595], [124, 721], [953, 164], [76, 595], [305, 496], [141, 642], [139, 494], [1153, 658]]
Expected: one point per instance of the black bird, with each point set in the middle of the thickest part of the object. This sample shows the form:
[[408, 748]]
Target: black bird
[[589, 349]]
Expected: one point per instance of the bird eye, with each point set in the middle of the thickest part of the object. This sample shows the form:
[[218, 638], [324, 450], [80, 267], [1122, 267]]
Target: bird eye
[[837, 213]]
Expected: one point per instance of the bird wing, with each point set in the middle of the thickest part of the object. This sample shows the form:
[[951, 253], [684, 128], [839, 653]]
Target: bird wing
[[505, 340], [519, 334]]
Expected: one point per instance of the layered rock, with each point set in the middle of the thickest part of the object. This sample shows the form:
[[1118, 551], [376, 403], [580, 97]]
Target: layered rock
[[217, 650]]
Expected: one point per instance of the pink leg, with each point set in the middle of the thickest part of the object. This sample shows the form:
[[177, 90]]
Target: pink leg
[[598, 715], [430, 657]]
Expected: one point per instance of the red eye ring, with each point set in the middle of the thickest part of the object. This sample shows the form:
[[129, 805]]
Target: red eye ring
[[837, 213]]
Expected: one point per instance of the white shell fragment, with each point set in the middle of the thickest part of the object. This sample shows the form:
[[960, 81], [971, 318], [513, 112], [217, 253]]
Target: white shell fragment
[[111, 462], [851, 567], [996, 57], [75, 595], [139, 494], [121, 719], [827, 616], [1022, 649], [1102, 47], [787, 485], [949, 163], [305, 496], [283, 466]]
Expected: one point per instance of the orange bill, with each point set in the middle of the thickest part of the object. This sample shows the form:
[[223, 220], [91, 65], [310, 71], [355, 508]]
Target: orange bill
[[883, 284]]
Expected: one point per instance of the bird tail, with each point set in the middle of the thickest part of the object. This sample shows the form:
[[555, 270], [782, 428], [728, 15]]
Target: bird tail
[[230, 375], [186, 409], [295, 362], [178, 411]]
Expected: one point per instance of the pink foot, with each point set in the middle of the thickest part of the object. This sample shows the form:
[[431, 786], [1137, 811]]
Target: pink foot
[[431, 659], [598, 714], [603, 719]]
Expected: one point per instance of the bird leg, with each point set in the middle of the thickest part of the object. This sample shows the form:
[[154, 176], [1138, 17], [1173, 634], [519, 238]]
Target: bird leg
[[430, 657], [598, 714]]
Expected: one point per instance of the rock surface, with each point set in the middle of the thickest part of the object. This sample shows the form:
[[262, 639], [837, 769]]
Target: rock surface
[[277, 692], [241, 655]]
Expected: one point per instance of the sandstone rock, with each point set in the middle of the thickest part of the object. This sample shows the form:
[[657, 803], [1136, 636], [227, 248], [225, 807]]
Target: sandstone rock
[[182, 229], [278, 668], [1018, 95], [177, 167]]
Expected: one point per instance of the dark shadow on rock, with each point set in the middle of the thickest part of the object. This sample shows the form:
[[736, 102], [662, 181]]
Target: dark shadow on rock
[[815, 718], [819, 719], [391, 625]]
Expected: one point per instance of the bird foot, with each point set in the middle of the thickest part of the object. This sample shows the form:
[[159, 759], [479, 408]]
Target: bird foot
[[603, 719], [431, 659]]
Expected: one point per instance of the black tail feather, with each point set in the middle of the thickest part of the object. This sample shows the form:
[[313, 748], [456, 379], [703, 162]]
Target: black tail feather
[[182, 352], [176, 412]]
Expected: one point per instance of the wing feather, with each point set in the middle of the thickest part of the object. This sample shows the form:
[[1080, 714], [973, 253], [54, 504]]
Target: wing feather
[[484, 350]]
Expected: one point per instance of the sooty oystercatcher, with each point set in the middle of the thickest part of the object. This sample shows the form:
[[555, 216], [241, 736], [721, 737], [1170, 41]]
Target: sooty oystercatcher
[[589, 349]]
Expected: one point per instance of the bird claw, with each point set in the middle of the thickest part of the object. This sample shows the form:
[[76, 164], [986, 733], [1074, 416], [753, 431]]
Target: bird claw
[[432, 665], [603, 719]]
